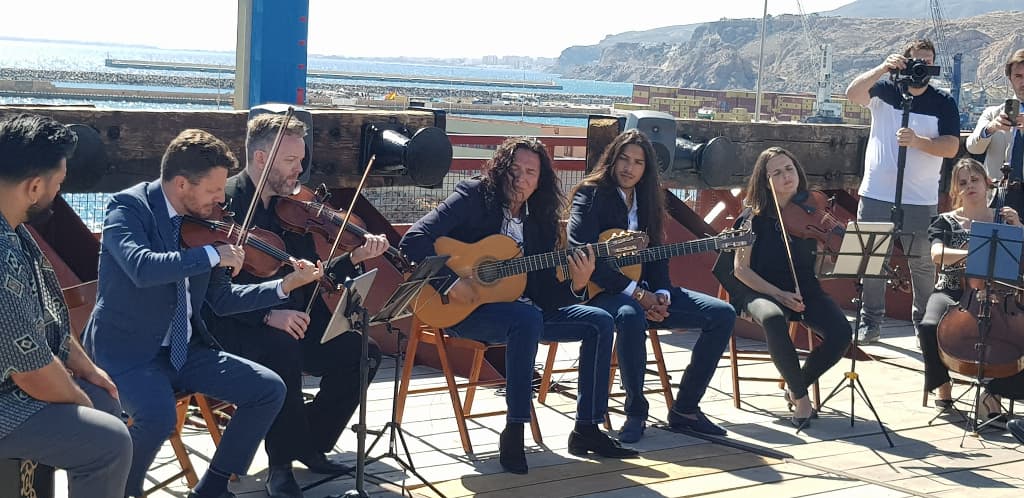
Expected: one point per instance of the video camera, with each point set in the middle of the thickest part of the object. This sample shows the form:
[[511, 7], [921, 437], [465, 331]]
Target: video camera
[[916, 74]]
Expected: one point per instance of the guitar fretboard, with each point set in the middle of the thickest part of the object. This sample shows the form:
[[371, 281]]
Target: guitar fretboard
[[658, 253], [516, 266]]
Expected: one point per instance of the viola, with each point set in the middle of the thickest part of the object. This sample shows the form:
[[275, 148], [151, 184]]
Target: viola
[[306, 212], [269, 253]]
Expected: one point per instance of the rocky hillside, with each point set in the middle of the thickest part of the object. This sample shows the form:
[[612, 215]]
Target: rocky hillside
[[723, 54], [920, 9]]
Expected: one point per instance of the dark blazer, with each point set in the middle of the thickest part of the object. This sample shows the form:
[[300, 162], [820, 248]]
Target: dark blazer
[[239, 191], [140, 266], [599, 208], [467, 217]]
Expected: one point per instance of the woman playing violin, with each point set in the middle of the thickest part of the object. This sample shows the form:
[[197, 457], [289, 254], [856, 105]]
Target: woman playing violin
[[777, 290], [949, 233]]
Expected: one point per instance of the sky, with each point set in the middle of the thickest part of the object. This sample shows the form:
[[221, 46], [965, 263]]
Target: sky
[[396, 28]]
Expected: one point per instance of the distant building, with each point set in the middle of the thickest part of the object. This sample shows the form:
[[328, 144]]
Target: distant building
[[739, 105]]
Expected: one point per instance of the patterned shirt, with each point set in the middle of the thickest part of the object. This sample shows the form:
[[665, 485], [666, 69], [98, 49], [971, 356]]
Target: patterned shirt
[[947, 229], [34, 322]]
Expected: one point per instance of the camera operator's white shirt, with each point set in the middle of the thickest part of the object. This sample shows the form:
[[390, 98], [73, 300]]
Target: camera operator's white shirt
[[933, 114]]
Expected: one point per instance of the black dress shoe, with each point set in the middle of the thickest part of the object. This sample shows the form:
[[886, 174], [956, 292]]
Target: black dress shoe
[[318, 463], [701, 424], [581, 443], [281, 482], [226, 494], [1016, 427], [511, 452]]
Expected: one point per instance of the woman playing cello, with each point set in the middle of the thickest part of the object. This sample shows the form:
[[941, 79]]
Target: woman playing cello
[[777, 291], [949, 234]]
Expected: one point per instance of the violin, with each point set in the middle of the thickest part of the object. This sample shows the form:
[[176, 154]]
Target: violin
[[307, 212], [809, 215], [265, 261]]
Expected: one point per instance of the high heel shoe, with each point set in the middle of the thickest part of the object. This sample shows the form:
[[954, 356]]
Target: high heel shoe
[[790, 404]]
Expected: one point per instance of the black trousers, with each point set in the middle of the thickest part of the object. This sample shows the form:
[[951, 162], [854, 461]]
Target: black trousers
[[302, 428], [822, 315], [935, 371]]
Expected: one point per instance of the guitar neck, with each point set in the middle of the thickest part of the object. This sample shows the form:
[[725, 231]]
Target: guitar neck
[[667, 251], [542, 261]]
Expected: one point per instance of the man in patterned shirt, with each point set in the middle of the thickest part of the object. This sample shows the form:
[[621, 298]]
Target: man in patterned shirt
[[56, 406]]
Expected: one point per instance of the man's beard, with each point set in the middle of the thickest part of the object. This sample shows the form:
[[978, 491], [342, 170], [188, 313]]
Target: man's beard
[[38, 214]]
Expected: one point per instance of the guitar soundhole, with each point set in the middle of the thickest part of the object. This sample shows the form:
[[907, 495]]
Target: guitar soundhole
[[488, 275]]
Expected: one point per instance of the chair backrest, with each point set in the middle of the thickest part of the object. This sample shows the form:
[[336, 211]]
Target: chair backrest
[[80, 300]]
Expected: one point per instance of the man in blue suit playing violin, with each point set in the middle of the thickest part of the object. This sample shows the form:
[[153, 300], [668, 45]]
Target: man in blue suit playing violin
[[146, 330]]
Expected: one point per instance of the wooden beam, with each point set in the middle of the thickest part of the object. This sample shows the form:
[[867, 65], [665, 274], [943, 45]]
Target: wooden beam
[[135, 140]]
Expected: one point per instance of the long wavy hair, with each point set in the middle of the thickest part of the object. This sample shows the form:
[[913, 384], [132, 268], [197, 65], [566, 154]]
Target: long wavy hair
[[759, 195], [650, 200], [546, 202], [972, 166]]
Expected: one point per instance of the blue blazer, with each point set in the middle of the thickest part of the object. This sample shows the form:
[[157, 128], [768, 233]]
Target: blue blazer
[[140, 266], [599, 208]]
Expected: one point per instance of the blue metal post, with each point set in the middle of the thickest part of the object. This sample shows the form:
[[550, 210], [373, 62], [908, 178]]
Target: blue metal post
[[277, 51]]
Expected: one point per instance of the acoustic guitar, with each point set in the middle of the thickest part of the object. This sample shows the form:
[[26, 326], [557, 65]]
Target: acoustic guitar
[[631, 263], [496, 269]]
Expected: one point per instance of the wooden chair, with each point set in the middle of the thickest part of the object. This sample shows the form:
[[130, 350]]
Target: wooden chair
[[736, 355], [658, 361], [80, 299], [182, 402], [463, 408]]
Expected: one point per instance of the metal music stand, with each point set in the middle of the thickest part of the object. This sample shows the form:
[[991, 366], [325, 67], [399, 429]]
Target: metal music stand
[[396, 308], [865, 248], [994, 252], [351, 316]]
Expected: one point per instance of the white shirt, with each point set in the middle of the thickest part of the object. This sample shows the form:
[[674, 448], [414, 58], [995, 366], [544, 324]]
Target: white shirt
[[513, 228], [634, 225], [214, 261]]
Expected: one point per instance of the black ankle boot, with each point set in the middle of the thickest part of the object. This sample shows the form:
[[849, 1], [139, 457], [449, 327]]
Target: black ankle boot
[[512, 453], [583, 440]]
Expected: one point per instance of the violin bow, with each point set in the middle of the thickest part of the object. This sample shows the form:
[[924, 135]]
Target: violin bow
[[785, 236], [344, 223], [244, 233]]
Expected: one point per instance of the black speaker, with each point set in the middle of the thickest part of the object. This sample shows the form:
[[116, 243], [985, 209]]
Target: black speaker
[[89, 162], [660, 128], [300, 114], [713, 161], [424, 155]]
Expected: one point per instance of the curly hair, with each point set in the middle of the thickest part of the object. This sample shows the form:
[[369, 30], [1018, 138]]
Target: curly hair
[[546, 202], [650, 198]]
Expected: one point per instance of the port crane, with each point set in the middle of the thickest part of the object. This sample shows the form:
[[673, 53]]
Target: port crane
[[825, 111]]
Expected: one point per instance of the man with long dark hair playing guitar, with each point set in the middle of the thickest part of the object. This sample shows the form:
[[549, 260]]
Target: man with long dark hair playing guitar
[[519, 197], [623, 192]]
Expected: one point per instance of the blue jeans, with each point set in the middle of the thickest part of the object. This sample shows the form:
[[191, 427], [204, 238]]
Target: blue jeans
[[689, 309], [521, 326], [147, 395]]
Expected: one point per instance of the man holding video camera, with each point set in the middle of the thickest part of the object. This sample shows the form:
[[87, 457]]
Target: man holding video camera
[[998, 133], [931, 135]]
